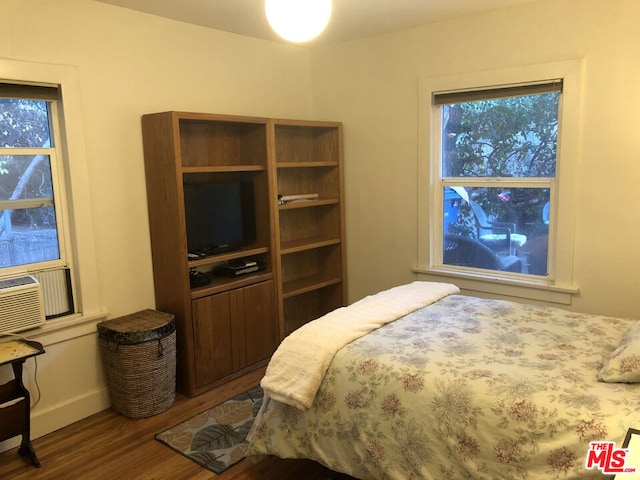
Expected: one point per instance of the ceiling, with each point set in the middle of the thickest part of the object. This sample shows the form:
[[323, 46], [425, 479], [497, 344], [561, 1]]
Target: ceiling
[[351, 19]]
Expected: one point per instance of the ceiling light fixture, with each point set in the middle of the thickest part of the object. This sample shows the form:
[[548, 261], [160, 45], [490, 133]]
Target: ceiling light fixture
[[298, 20]]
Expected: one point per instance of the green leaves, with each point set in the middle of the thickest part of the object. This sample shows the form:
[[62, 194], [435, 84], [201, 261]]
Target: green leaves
[[506, 137]]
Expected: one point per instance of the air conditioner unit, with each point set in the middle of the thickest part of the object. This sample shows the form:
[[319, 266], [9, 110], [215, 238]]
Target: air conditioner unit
[[21, 304]]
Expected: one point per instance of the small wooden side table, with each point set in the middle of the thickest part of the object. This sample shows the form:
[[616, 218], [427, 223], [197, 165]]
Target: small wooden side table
[[15, 419]]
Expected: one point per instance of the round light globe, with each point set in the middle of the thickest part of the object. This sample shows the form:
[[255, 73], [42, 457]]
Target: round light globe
[[298, 20]]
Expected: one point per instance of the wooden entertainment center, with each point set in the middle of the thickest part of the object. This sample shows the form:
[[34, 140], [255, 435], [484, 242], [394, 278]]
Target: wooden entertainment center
[[232, 324]]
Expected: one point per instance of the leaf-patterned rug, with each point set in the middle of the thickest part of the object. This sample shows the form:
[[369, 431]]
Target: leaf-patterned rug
[[216, 438]]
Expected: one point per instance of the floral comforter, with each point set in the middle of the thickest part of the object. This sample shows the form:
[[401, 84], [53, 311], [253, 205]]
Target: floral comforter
[[466, 388]]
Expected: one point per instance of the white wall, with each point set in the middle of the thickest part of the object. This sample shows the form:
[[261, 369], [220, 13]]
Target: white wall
[[128, 64], [372, 86]]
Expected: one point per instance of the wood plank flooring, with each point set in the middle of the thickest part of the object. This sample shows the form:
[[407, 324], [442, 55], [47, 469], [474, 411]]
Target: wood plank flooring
[[109, 446]]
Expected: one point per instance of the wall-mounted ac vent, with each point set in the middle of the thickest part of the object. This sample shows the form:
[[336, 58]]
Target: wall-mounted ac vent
[[21, 305]]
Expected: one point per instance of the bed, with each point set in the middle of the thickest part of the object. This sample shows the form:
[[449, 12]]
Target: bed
[[424, 385]]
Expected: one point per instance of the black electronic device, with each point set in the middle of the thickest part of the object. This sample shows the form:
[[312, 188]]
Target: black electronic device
[[220, 217], [234, 268], [240, 263], [198, 279]]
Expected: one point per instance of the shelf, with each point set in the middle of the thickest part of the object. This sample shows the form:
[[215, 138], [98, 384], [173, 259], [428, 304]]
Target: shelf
[[300, 245], [224, 284], [224, 169], [326, 182], [310, 204], [223, 257], [306, 164], [308, 284]]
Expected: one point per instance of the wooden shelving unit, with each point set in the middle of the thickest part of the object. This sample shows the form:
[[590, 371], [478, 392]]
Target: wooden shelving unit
[[310, 234], [232, 325]]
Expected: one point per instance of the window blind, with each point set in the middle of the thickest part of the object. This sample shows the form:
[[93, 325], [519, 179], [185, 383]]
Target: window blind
[[29, 92], [446, 98]]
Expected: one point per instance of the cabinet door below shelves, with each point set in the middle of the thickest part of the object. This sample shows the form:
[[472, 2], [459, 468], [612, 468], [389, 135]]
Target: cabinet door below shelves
[[212, 338], [233, 330], [259, 336]]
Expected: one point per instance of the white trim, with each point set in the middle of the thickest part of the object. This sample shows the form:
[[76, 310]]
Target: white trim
[[469, 280], [70, 411], [562, 229], [62, 208], [47, 421], [66, 328], [79, 219]]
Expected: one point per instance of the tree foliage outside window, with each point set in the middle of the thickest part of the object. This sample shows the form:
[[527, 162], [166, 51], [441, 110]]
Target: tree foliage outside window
[[500, 153], [28, 225], [508, 137]]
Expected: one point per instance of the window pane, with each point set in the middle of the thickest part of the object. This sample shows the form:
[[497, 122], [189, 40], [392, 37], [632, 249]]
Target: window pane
[[24, 123], [28, 236], [496, 228], [506, 137], [25, 176]]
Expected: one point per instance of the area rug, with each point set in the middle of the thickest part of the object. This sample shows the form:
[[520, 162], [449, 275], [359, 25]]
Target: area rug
[[216, 438]]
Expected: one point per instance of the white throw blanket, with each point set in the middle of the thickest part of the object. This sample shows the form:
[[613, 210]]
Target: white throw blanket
[[297, 367]]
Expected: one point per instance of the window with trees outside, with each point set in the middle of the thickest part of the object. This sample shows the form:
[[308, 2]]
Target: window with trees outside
[[496, 150], [32, 236], [498, 153]]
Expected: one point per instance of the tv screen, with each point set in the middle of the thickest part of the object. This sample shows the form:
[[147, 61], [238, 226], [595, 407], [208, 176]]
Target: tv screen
[[220, 216]]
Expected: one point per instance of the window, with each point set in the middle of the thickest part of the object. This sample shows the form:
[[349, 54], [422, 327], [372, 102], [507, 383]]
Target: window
[[497, 165], [498, 161], [32, 234], [76, 269]]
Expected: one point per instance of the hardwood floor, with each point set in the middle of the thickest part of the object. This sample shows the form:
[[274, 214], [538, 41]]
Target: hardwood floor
[[108, 446]]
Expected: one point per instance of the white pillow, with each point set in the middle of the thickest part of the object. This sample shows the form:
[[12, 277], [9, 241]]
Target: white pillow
[[624, 363]]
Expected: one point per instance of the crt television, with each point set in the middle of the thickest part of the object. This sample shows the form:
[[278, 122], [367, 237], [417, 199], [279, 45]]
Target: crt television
[[220, 216]]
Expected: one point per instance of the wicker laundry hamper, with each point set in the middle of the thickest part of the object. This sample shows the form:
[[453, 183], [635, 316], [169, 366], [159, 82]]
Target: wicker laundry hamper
[[139, 356]]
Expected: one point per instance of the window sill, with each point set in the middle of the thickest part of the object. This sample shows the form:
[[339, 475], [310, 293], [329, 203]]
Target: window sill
[[65, 328], [510, 287]]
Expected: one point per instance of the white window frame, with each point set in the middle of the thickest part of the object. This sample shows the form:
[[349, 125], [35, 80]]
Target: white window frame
[[76, 224], [559, 285]]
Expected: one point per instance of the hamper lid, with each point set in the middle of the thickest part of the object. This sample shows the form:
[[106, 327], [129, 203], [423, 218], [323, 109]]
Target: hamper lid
[[138, 327]]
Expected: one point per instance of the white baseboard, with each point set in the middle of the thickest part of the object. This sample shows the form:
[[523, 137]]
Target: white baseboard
[[61, 415]]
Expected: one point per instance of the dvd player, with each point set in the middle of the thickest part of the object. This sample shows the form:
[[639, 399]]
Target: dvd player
[[234, 268]]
